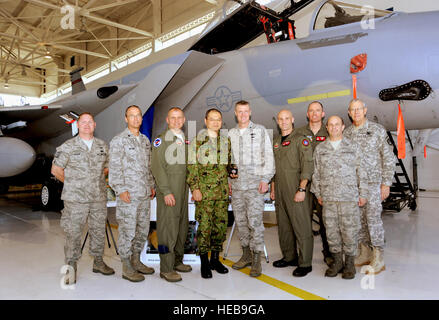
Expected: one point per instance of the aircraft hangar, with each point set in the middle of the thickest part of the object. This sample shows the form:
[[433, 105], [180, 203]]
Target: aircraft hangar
[[61, 58]]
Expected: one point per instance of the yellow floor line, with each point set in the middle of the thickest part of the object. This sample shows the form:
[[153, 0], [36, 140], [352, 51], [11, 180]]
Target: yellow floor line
[[279, 284]]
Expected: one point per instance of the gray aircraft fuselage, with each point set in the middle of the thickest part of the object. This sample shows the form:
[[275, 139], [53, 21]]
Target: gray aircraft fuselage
[[401, 48]]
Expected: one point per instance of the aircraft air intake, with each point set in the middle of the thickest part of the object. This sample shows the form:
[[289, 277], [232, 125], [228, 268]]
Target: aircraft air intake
[[415, 90], [105, 92]]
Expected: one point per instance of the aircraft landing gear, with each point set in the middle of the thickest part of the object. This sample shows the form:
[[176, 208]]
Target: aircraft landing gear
[[50, 198]]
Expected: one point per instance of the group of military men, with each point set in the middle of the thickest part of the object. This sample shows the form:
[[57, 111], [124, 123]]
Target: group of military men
[[341, 175]]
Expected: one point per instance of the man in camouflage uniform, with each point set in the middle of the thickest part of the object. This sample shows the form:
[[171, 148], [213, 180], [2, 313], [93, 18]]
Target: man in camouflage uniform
[[290, 190], [168, 165], [339, 183], [316, 132], [252, 153], [380, 165], [208, 163], [81, 164], [131, 179]]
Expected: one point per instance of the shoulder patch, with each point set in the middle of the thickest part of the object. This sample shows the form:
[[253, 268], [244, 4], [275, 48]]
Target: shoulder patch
[[157, 142], [305, 142]]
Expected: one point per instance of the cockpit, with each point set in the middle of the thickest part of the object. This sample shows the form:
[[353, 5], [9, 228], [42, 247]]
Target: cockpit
[[335, 13], [238, 22]]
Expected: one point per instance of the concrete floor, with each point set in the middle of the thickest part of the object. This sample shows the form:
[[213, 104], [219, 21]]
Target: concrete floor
[[32, 255]]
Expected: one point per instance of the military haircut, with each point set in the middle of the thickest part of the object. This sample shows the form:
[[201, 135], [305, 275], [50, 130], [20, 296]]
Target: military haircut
[[242, 102], [86, 113], [132, 106], [318, 102], [175, 109], [212, 110], [356, 100]]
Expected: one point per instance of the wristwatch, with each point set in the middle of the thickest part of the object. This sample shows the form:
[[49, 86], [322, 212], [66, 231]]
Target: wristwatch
[[301, 190]]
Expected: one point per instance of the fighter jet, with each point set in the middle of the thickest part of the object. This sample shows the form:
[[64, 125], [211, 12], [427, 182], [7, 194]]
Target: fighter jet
[[384, 58]]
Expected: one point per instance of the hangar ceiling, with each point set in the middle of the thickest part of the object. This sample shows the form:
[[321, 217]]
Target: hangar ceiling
[[42, 40]]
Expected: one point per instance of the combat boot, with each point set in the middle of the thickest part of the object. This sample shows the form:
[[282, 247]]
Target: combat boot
[[138, 265], [256, 269], [364, 255], [73, 276], [206, 273], [246, 259], [181, 267], [327, 257], [349, 267], [170, 276], [336, 266], [100, 266], [215, 263], [129, 273], [377, 263]]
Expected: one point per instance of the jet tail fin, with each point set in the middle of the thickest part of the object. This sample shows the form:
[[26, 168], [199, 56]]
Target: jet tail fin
[[76, 80]]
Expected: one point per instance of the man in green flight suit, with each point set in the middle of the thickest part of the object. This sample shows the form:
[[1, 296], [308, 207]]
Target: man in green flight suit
[[168, 166], [208, 164], [316, 132], [290, 190]]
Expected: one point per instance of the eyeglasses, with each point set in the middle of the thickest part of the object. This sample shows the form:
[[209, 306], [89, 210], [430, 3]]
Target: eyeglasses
[[354, 110]]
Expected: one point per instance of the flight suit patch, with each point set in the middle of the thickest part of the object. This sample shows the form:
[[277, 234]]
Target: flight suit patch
[[305, 142], [157, 142], [276, 146], [286, 143], [321, 138]]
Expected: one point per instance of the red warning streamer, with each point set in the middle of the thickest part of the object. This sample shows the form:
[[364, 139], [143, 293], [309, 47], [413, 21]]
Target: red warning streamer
[[354, 86], [400, 130]]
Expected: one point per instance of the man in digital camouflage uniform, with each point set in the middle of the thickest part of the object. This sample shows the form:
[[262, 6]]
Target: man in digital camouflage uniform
[[208, 163], [252, 153], [168, 166], [380, 165], [316, 132], [131, 179], [290, 190], [81, 164], [339, 183]]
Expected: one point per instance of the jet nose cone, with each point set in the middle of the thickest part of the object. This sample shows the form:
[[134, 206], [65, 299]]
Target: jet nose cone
[[16, 156]]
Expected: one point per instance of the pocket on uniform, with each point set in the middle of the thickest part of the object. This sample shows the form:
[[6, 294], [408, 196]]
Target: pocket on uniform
[[76, 157]]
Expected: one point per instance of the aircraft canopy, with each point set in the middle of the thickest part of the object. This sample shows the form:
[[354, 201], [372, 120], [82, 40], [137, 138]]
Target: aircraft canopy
[[336, 13]]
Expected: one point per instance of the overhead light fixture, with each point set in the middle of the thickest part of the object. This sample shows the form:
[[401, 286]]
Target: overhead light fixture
[[47, 56], [6, 85]]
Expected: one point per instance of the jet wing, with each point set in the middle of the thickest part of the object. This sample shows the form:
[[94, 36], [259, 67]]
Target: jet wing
[[9, 115], [47, 121]]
